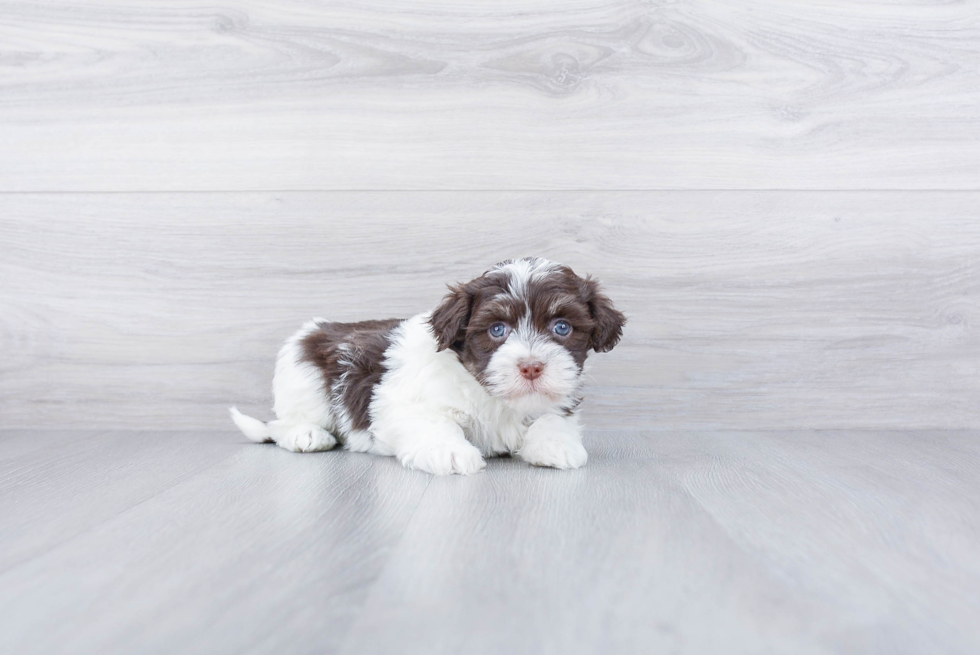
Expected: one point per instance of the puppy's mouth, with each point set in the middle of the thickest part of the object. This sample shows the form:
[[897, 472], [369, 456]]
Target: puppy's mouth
[[520, 391], [518, 388], [527, 388]]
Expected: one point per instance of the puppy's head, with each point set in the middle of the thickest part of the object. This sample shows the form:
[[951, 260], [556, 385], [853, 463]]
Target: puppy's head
[[524, 329]]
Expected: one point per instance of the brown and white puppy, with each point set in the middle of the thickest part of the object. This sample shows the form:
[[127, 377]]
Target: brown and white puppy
[[495, 369]]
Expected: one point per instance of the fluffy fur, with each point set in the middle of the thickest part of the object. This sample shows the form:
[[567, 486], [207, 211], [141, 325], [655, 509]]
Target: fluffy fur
[[495, 369]]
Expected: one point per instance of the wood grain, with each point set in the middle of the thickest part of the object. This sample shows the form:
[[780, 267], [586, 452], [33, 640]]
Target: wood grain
[[714, 542], [261, 548], [668, 541], [54, 488], [474, 95], [917, 516], [747, 309]]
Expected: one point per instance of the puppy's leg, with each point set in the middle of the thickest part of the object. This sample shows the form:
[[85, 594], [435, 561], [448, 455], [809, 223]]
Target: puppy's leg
[[554, 441], [301, 402], [433, 444], [302, 438], [298, 436], [440, 453]]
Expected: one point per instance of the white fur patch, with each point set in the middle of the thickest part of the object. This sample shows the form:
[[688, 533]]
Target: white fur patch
[[521, 272], [555, 442], [298, 386], [553, 390], [428, 396]]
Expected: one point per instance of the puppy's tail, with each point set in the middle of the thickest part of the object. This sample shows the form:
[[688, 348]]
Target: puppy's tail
[[253, 428]]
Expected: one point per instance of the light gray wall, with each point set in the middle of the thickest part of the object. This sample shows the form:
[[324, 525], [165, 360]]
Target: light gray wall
[[785, 200]]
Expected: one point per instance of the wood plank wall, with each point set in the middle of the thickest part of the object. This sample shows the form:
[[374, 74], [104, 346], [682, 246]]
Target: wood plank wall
[[785, 199]]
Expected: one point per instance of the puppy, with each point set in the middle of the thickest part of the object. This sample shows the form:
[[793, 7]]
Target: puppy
[[495, 369]]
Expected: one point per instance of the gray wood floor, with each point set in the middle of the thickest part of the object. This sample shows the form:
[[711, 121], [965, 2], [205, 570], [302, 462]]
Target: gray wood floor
[[667, 542]]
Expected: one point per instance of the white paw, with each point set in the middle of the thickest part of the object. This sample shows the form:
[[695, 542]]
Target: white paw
[[444, 458], [306, 439], [554, 452]]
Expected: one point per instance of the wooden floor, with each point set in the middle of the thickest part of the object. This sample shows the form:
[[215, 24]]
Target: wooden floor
[[667, 542]]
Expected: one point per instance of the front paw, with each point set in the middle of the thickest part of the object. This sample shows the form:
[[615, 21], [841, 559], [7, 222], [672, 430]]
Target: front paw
[[444, 459], [554, 452]]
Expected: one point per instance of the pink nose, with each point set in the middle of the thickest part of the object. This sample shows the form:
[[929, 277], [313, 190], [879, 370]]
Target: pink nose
[[531, 370]]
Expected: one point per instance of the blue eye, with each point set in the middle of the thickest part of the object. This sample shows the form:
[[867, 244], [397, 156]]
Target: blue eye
[[562, 328], [499, 330]]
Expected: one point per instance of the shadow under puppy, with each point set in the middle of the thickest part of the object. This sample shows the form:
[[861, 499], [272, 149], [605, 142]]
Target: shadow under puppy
[[495, 369]]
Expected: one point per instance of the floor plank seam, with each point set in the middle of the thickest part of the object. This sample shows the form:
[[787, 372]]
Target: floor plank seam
[[58, 544], [374, 581]]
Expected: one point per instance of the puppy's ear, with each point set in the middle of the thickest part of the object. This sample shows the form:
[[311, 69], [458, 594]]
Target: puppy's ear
[[609, 321], [449, 319]]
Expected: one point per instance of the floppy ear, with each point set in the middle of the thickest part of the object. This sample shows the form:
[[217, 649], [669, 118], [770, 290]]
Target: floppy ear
[[609, 321], [449, 319]]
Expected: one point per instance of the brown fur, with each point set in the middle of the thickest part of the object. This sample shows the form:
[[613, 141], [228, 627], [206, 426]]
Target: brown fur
[[609, 321], [356, 349]]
